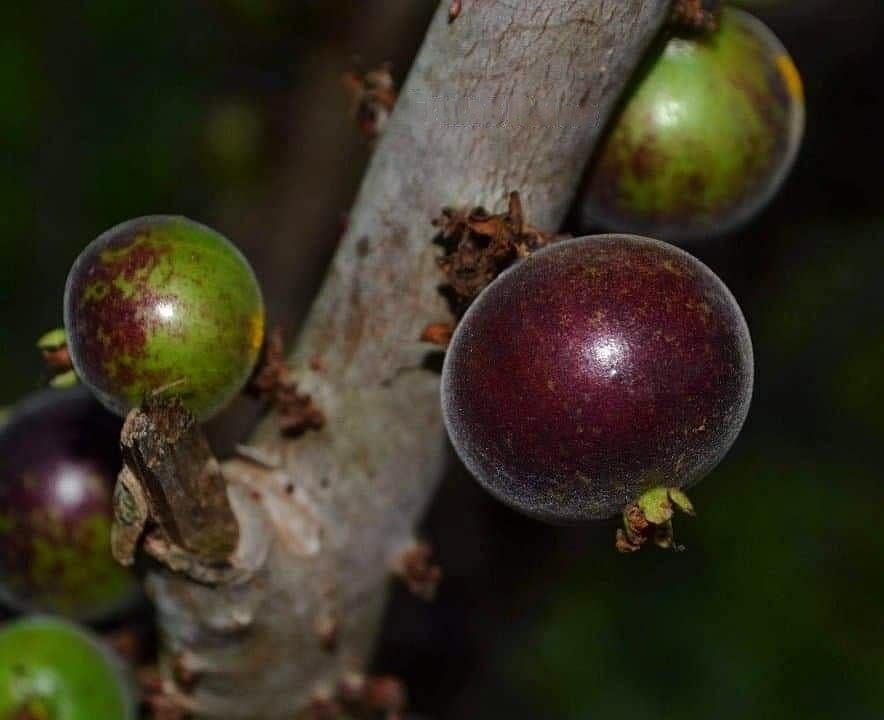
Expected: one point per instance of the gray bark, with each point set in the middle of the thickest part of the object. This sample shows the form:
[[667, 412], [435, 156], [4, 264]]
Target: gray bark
[[512, 95]]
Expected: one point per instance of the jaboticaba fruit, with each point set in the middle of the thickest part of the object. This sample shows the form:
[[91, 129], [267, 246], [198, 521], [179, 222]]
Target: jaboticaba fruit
[[59, 459], [704, 139], [163, 302], [593, 371], [52, 670]]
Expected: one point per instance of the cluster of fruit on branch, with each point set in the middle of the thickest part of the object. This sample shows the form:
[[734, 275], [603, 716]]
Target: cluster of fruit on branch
[[603, 375], [585, 378]]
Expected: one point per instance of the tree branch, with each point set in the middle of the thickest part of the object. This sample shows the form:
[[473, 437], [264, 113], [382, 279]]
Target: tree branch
[[510, 95]]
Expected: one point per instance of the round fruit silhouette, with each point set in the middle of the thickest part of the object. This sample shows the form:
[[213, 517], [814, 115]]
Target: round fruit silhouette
[[704, 139], [59, 458], [52, 670], [594, 371], [163, 303]]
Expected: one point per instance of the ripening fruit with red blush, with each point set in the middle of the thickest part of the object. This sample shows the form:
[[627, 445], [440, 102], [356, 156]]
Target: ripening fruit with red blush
[[704, 139], [59, 459], [163, 303], [594, 374]]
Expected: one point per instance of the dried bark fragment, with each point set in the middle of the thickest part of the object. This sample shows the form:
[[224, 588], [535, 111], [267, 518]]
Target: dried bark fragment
[[414, 567], [131, 515], [166, 452], [372, 95], [171, 498], [272, 381], [701, 16], [477, 247]]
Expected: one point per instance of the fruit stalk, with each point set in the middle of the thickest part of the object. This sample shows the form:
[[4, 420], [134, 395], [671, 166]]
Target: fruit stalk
[[478, 117]]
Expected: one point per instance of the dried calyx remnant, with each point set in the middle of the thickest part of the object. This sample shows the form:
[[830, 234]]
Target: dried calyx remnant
[[650, 518], [702, 16], [477, 247], [272, 381], [372, 96]]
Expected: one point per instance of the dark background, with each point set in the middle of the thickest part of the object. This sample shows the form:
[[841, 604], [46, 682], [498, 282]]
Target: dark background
[[232, 112]]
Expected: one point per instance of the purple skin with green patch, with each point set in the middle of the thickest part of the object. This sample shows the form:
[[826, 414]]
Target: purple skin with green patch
[[594, 370], [59, 458], [163, 304], [704, 139]]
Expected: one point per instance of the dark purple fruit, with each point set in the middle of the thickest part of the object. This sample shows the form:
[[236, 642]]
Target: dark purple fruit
[[594, 371], [59, 458]]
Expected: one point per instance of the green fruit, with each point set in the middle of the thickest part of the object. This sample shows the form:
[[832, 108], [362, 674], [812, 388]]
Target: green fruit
[[704, 140], [52, 670], [163, 303]]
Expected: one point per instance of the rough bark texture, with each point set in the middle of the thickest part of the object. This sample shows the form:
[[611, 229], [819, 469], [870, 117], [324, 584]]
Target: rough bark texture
[[511, 95]]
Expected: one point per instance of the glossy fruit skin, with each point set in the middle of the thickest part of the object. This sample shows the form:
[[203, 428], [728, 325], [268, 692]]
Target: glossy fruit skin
[[594, 370], [703, 141], [59, 458], [162, 300], [61, 672]]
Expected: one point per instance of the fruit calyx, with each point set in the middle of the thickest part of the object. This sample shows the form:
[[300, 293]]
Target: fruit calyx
[[650, 518], [698, 16]]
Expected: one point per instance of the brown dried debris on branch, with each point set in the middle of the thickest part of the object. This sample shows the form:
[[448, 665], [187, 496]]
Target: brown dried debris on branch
[[415, 568], [701, 16], [454, 10], [372, 97], [477, 247], [368, 696], [296, 411], [438, 333], [156, 701], [328, 627]]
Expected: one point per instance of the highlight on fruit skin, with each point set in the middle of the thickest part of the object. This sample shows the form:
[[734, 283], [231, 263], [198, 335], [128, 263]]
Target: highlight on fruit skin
[[704, 139], [593, 371], [51, 669], [59, 459], [163, 304]]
